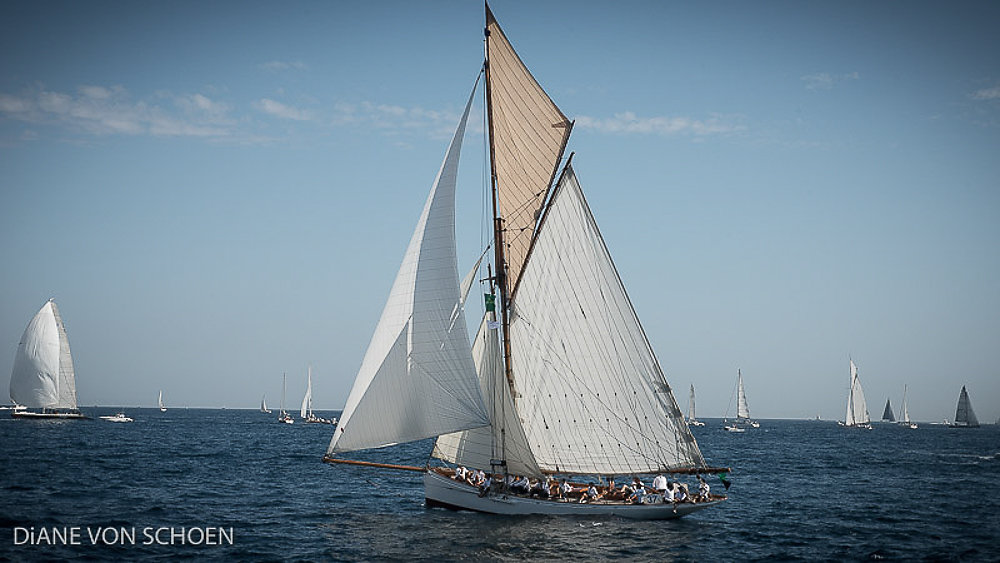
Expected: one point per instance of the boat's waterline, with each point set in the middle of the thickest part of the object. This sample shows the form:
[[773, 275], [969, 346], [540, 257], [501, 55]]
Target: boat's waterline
[[443, 491]]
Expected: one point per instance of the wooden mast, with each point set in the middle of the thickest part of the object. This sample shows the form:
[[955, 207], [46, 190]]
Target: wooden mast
[[498, 242]]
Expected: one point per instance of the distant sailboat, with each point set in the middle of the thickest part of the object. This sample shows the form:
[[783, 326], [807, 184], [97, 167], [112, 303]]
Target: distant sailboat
[[306, 411], [964, 415], [159, 401], [692, 421], [263, 405], [857, 409], [282, 415], [43, 383], [530, 397], [906, 413], [742, 409], [887, 415]]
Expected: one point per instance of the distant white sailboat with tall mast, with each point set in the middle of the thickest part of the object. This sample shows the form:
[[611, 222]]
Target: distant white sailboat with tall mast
[[857, 409], [742, 409], [561, 374], [906, 413], [159, 401], [692, 420], [283, 415], [43, 382], [965, 417], [263, 405], [306, 411]]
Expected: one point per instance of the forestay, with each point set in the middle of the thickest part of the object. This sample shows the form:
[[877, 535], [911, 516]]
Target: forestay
[[591, 395], [43, 374], [417, 379]]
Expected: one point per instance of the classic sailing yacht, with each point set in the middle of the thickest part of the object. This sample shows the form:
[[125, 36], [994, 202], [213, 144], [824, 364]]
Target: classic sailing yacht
[[857, 409], [906, 413], [561, 379], [887, 415], [283, 416], [742, 410], [43, 381], [964, 415], [692, 421], [159, 401], [263, 405], [306, 411]]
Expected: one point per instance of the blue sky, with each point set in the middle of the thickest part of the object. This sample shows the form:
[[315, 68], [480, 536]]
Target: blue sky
[[216, 193]]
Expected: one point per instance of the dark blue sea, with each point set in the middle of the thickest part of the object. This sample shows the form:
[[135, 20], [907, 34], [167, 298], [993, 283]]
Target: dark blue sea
[[802, 490]]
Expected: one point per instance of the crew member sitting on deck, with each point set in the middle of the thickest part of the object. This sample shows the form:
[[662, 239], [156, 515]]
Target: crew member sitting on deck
[[591, 495], [460, 473], [660, 483], [703, 489], [565, 489], [539, 489], [520, 486]]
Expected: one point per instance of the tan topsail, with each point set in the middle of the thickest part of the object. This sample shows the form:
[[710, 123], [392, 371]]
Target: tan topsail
[[529, 136]]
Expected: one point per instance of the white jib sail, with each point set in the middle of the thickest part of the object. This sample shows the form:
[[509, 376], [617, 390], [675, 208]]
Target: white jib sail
[[43, 366], [742, 410], [307, 400], [417, 379], [504, 438], [588, 388]]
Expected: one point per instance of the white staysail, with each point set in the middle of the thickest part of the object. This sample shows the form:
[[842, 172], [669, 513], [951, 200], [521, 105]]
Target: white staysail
[[588, 388], [742, 410], [857, 409], [307, 401], [43, 374], [418, 379], [477, 447]]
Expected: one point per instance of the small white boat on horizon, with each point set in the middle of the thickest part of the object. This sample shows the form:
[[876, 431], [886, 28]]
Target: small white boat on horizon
[[283, 416], [159, 401], [119, 417]]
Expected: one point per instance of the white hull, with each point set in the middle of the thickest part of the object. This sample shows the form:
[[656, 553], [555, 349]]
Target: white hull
[[117, 418], [446, 492], [695, 423], [61, 415]]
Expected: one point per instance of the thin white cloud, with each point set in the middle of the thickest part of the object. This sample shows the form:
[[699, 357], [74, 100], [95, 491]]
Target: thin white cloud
[[987, 94], [99, 110], [396, 119], [284, 111], [278, 66], [826, 81], [628, 122]]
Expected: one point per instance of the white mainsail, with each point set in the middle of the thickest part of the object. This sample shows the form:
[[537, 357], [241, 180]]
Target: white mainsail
[[307, 401], [159, 401], [589, 390], [43, 375], [418, 379], [742, 410], [857, 409], [263, 404]]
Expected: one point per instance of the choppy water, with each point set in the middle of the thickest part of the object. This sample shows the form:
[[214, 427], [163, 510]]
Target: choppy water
[[802, 490]]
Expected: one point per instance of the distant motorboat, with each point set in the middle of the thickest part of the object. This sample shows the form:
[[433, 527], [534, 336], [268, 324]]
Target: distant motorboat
[[734, 427], [43, 383], [119, 417]]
